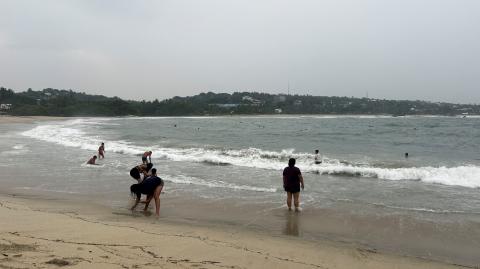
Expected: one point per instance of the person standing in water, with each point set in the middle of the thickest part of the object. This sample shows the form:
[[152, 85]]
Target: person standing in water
[[152, 187], [318, 159], [292, 182], [147, 157], [101, 151]]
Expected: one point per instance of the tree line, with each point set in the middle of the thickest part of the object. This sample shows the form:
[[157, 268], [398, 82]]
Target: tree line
[[54, 102]]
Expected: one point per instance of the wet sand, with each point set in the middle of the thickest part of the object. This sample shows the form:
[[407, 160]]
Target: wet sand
[[49, 233], [26, 119]]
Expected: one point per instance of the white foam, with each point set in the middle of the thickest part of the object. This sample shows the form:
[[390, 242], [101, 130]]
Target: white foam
[[93, 166], [16, 150], [428, 210], [181, 179], [466, 176], [69, 136], [19, 147]]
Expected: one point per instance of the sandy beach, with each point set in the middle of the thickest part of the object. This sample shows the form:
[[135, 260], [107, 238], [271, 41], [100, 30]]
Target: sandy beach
[[26, 119], [41, 233]]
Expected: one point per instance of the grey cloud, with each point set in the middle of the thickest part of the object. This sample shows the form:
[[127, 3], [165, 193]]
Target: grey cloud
[[157, 49]]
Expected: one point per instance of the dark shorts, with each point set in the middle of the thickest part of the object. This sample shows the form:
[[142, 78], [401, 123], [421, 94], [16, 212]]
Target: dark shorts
[[292, 189], [135, 173], [150, 184]]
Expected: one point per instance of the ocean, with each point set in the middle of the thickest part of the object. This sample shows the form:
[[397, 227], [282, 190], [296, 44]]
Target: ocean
[[227, 171]]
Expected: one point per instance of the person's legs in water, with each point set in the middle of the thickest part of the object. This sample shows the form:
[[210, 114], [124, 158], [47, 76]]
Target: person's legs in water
[[147, 201], [156, 195], [296, 198], [289, 200]]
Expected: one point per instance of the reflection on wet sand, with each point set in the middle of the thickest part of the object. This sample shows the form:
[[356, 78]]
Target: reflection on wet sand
[[292, 224]]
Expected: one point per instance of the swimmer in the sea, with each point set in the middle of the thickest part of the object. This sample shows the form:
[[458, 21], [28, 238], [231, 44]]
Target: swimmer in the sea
[[92, 160], [318, 159], [147, 157]]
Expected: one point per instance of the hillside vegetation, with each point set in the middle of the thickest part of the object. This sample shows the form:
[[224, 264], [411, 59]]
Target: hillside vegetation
[[53, 102]]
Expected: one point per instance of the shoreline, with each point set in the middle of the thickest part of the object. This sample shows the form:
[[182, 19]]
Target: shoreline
[[7, 119], [37, 231]]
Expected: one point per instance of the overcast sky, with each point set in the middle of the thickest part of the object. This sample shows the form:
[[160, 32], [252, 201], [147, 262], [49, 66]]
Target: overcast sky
[[393, 49]]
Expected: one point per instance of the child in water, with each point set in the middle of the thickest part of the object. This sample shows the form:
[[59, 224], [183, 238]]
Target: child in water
[[92, 160]]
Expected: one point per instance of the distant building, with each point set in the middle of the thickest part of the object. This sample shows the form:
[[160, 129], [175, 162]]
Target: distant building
[[252, 101], [227, 105], [5, 106], [247, 98], [297, 103], [279, 98]]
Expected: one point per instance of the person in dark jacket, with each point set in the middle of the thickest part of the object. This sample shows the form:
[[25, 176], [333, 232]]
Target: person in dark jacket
[[292, 182]]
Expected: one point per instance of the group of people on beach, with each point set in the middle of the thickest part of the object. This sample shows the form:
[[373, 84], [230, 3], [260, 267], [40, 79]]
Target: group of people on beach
[[149, 184]]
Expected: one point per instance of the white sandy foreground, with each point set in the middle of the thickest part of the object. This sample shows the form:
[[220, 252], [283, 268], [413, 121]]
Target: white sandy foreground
[[48, 234]]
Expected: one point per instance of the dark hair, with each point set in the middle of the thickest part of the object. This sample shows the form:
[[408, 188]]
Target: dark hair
[[135, 190], [291, 162], [154, 171], [149, 166], [316, 151], [95, 156]]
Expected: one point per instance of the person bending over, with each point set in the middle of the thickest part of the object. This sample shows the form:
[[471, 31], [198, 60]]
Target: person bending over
[[141, 169], [152, 187], [292, 181]]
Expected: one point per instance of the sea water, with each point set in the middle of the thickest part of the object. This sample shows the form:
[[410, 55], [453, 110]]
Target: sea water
[[237, 162]]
